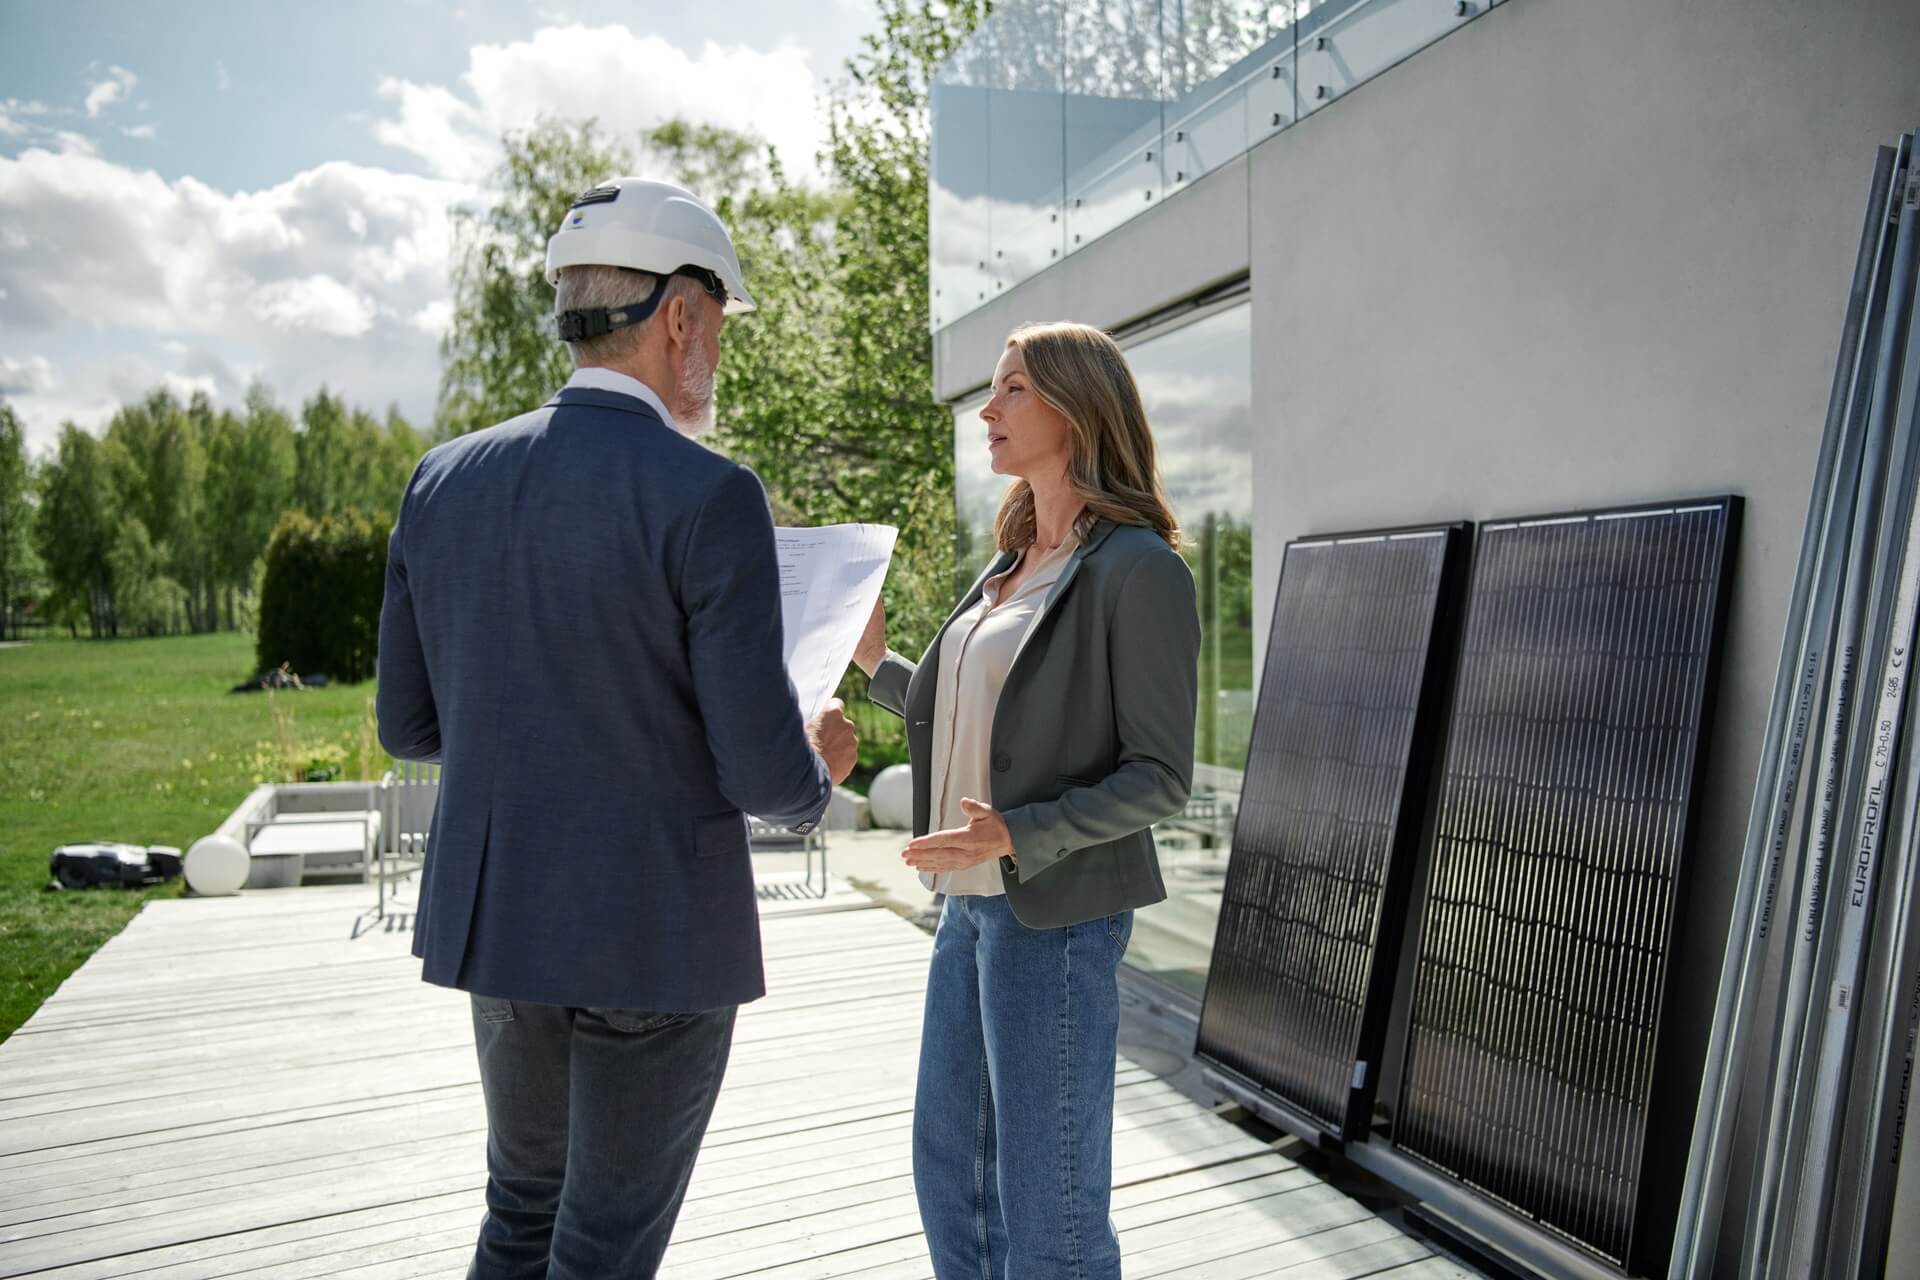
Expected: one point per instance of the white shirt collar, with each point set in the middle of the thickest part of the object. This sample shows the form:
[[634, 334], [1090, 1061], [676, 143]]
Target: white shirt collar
[[621, 384]]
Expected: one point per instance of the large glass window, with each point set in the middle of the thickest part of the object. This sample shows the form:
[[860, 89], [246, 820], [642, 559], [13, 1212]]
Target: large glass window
[[1195, 377]]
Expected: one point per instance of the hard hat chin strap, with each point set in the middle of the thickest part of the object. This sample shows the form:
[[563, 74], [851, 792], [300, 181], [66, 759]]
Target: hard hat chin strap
[[586, 323]]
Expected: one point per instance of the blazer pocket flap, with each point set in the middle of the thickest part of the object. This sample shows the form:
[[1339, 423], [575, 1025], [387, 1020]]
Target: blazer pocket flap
[[719, 833]]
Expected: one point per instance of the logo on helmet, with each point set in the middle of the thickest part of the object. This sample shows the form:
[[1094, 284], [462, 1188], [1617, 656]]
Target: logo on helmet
[[577, 219]]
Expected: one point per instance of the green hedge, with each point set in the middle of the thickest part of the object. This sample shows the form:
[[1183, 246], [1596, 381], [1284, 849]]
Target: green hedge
[[320, 599]]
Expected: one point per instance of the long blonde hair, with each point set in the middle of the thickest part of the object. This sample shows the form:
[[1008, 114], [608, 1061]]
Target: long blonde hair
[[1082, 374]]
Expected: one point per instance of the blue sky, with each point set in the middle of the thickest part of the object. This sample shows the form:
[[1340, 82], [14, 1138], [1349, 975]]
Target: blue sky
[[206, 193]]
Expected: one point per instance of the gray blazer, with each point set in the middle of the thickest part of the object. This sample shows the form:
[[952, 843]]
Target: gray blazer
[[582, 623], [1093, 735]]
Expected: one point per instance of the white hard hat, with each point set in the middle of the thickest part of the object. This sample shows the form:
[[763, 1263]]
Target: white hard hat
[[647, 225]]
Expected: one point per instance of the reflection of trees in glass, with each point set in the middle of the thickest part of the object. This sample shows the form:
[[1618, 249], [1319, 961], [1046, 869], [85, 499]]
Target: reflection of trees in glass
[[977, 494], [1205, 37], [1140, 49], [1018, 47], [1219, 551], [1114, 50], [1023, 174], [1196, 383]]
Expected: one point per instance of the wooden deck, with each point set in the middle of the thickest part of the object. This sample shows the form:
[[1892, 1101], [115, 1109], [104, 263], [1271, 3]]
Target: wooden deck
[[262, 1086]]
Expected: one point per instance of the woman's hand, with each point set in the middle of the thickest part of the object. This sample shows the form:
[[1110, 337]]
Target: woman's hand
[[983, 838], [873, 641]]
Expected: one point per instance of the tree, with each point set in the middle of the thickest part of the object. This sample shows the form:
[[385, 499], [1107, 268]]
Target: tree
[[501, 355], [156, 455], [400, 450], [147, 601], [249, 482], [880, 448], [345, 459], [77, 528], [321, 594], [16, 518], [321, 451], [190, 559], [826, 390]]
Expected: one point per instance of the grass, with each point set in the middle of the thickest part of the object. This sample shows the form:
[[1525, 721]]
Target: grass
[[133, 740]]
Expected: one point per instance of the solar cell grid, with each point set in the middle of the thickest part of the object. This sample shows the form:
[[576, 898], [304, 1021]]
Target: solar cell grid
[[1559, 847], [1300, 978]]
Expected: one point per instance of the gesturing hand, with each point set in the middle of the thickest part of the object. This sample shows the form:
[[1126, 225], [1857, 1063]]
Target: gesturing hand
[[984, 837]]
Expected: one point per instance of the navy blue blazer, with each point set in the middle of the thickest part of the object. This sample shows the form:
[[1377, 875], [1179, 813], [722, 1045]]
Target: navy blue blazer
[[582, 624]]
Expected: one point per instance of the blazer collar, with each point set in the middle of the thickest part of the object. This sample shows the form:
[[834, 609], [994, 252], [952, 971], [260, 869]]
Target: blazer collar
[[1000, 564], [1095, 536], [595, 397]]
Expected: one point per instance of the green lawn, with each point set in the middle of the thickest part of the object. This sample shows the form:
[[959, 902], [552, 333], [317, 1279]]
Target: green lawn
[[134, 740]]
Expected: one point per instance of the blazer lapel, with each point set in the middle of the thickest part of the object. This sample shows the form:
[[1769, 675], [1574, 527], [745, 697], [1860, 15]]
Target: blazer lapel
[[927, 668], [1097, 536]]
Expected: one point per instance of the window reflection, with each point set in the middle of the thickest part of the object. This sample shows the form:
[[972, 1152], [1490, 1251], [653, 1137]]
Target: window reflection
[[1058, 120], [977, 494], [1196, 383], [1115, 83]]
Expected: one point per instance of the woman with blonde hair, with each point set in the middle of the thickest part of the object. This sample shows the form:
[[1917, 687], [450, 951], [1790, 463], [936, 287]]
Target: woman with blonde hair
[[1051, 725]]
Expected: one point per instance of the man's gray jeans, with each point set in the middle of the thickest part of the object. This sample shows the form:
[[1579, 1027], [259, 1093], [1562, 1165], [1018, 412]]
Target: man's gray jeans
[[594, 1118]]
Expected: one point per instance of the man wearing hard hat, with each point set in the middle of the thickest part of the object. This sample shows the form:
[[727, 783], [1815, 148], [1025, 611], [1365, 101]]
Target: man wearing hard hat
[[582, 623]]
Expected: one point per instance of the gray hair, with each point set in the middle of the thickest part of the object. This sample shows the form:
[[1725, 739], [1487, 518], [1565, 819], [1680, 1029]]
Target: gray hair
[[588, 287]]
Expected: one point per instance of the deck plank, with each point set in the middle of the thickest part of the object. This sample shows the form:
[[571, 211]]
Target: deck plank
[[261, 1086]]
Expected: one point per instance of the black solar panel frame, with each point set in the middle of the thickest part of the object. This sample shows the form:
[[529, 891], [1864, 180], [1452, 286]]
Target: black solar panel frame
[[1354, 1118], [1637, 1250]]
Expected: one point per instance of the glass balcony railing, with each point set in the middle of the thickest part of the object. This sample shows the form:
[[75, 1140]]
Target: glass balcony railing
[[1058, 120]]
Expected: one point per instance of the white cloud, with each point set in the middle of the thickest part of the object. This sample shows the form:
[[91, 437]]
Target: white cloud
[[127, 280], [35, 124], [74, 144], [102, 94], [627, 81], [440, 128], [12, 116], [31, 375], [185, 386], [145, 132], [180, 368], [222, 79], [435, 317], [315, 304], [328, 250]]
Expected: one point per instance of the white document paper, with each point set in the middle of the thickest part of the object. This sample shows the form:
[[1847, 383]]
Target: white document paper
[[830, 578]]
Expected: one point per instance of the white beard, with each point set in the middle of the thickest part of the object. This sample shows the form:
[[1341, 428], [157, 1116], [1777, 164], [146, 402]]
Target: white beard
[[696, 390]]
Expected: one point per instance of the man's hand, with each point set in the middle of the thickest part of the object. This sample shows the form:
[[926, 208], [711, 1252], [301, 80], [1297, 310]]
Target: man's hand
[[984, 837], [832, 736], [873, 641]]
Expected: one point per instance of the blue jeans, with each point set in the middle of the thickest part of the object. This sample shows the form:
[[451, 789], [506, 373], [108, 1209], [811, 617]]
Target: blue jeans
[[1013, 1116], [594, 1117]]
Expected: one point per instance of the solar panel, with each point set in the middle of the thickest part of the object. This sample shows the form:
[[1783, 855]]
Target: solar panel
[[1562, 833], [1307, 944]]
